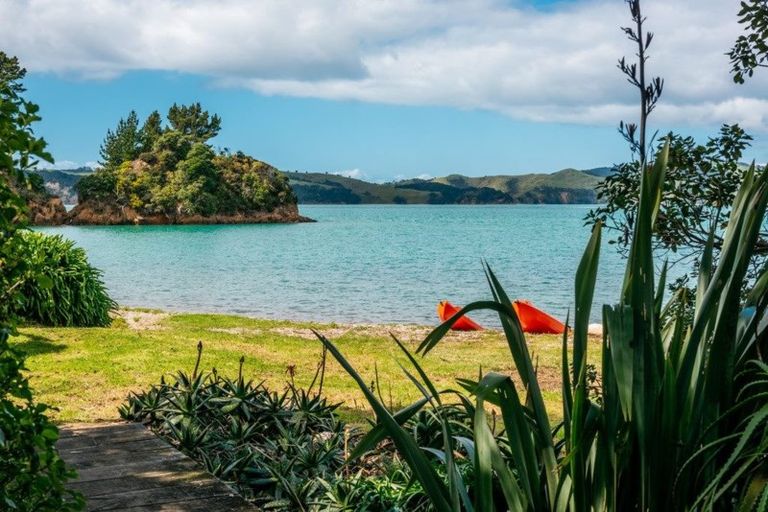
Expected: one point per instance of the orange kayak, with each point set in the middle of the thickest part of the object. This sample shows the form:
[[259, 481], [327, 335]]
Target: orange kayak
[[535, 321], [446, 310]]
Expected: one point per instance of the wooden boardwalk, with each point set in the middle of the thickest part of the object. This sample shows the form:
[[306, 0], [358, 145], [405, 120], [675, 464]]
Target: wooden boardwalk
[[124, 466]]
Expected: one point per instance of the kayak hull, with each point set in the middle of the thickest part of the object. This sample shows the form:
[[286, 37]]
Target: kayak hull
[[446, 310], [536, 321]]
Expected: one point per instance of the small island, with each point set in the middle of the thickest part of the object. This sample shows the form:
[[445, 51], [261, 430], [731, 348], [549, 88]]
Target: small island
[[168, 173]]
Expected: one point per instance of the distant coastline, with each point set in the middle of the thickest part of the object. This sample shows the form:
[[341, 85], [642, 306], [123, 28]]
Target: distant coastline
[[568, 186]]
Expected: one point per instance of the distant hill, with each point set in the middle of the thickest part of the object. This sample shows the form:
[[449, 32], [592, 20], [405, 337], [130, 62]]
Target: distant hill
[[566, 186], [562, 187], [600, 172]]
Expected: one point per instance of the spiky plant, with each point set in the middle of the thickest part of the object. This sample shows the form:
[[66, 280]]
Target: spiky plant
[[276, 448], [681, 419]]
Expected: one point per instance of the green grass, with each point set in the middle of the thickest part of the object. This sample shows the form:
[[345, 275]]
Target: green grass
[[87, 372]]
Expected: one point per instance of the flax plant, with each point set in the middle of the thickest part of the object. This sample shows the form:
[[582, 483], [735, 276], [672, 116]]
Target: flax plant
[[75, 294], [680, 423]]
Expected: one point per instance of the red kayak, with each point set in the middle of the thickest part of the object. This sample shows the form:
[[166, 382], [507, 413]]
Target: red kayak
[[535, 321], [446, 310]]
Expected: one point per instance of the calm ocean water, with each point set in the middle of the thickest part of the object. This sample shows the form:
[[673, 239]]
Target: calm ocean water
[[356, 264]]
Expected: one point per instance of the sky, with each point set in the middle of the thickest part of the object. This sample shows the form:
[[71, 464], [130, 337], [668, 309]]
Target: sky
[[383, 89]]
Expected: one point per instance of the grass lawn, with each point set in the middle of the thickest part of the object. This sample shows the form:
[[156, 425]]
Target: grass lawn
[[87, 372]]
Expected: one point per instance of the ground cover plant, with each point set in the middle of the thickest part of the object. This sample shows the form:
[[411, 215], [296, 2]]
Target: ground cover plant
[[276, 447], [75, 294], [282, 450]]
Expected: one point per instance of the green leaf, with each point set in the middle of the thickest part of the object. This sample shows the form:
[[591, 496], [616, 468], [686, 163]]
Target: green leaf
[[44, 282]]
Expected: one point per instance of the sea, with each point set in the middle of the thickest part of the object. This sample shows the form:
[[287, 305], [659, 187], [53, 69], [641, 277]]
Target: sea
[[356, 264]]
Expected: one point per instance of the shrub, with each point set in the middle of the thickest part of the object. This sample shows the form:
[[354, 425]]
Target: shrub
[[288, 450], [73, 295], [32, 476], [392, 489], [680, 420], [99, 186], [276, 448]]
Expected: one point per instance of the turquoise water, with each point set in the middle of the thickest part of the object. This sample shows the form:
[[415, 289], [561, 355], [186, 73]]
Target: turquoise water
[[356, 264]]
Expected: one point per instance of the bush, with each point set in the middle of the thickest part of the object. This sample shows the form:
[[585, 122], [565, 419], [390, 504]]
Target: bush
[[288, 450], [99, 186], [73, 293], [32, 475], [276, 448]]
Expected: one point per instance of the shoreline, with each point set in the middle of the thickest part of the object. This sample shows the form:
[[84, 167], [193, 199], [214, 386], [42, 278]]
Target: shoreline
[[595, 329], [139, 318]]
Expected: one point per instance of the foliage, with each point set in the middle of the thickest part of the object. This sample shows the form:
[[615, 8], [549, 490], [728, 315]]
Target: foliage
[[681, 421], [750, 51], [193, 121], [99, 186], [122, 144], [75, 295], [11, 73], [650, 89], [286, 450], [150, 131], [702, 181], [32, 476], [173, 171], [275, 447], [391, 490], [251, 184]]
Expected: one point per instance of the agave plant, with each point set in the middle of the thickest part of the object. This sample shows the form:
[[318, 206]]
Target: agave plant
[[274, 447], [680, 420]]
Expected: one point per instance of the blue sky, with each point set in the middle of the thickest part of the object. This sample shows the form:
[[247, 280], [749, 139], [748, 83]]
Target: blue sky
[[379, 140], [408, 88]]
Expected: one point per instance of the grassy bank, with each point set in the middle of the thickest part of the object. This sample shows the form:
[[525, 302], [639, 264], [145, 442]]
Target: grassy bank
[[87, 372]]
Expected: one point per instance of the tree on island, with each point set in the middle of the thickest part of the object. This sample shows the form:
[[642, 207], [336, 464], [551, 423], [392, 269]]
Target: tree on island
[[170, 169], [123, 143], [150, 131], [193, 121]]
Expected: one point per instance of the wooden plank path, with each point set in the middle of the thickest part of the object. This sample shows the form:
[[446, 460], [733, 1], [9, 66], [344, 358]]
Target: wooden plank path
[[124, 466]]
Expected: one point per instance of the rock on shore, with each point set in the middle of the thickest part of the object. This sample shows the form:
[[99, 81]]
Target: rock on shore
[[98, 213], [46, 211]]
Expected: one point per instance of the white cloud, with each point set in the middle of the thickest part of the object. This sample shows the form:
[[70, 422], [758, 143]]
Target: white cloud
[[59, 164], [351, 173], [554, 65], [66, 165]]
